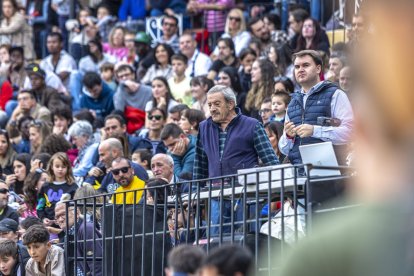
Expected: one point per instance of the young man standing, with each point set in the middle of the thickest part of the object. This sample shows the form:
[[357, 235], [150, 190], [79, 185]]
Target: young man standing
[[180, 83]]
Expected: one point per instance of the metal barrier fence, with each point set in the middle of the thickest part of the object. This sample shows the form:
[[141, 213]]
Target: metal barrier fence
[[134, 239]]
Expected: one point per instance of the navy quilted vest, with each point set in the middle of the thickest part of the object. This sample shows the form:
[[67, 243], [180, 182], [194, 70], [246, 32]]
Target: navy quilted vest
[[239, 151], [318, 104]]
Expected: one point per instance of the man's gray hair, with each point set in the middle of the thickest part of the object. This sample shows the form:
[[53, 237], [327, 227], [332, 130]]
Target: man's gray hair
[[227, 92], [113, 143], [167, 157], [80, 128]]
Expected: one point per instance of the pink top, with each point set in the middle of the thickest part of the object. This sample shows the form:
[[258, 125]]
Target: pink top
[[119, 53], [216, 20]]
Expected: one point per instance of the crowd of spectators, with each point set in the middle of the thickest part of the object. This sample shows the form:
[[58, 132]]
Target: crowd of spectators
[[95, 105]]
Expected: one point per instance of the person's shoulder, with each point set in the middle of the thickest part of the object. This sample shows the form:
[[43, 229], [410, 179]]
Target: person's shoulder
[[143, 88]]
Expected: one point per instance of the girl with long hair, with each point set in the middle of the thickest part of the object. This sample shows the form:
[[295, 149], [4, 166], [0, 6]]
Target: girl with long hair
[[61, 183], [263, 72]]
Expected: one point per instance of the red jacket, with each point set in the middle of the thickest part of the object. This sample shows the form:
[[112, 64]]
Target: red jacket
[[6, 93]]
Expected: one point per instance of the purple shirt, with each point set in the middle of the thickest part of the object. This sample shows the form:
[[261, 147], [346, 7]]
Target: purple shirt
[[215, 20]]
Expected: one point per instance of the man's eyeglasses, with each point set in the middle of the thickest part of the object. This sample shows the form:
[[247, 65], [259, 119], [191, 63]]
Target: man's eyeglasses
[[4, 191], [123, 170], [121, 76], [169, 24], [237, 19], [156, 117], [264, 110]]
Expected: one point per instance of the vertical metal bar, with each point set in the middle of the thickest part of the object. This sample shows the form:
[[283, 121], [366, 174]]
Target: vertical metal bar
[[113, 241], [133, 233], [103, 216], [176, 208], [94, 235], [123, 230], [165, 226], [221, 222], [308, 197], [84, 234], [67, 241], [257, 229], [209, 216], [189, 211], [143, 235], [282, 199], [269, 219], [154, 222], [244, 211], [75, 239], [197, 215], [296, 205], [232, 212]]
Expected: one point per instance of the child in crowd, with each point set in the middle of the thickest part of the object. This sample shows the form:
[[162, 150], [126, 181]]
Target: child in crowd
[[179, 83], [143, 157], [61, 182], [46, 259], [13, 258], [107, 75], [280, 101]]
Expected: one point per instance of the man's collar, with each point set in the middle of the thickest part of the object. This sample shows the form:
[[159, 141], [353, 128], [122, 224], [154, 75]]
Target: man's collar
[[315, 87]]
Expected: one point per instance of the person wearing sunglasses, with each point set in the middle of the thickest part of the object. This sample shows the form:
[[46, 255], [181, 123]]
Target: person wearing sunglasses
[[5, 210], [235, 29], [124, 176], [156, 119]]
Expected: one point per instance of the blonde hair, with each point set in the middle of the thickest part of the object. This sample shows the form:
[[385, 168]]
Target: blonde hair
[[242, 22], [65, 161], [112, 32]]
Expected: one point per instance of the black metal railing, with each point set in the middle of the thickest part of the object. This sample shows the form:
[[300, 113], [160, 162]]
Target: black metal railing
[[134, 239]]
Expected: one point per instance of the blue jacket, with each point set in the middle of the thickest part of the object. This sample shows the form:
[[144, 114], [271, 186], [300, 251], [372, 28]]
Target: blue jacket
[[103, 105], [185, 163], [134, 8], [317, 104], [239, 151]]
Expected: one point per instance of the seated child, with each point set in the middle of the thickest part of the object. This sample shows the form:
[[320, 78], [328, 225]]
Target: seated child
[[107, 75], [46, 259], [143, 157], [280, 102], [13, 258]]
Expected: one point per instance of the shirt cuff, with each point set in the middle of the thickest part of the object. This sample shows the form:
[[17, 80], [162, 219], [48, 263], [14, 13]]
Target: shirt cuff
[[317, 131]]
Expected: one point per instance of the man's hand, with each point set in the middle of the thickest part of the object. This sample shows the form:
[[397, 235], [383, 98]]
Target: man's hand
[[290, 129], [304, 130], [131, 85], [179, 148], [95, 171]]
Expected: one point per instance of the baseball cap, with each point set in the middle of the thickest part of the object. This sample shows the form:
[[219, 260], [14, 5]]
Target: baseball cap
[[8, 225], [34, 68], [143, 38]]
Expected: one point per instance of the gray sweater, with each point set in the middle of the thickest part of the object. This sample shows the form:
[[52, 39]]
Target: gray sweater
[[137, 99]]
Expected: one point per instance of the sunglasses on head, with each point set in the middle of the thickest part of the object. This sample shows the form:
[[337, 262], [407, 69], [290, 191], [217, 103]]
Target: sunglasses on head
[[4, 191], [117, 171], [36, 123], [156, 117]]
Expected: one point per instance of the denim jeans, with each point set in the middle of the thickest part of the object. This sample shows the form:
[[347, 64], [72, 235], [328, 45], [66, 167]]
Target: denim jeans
[[225, 216], [75, 87]]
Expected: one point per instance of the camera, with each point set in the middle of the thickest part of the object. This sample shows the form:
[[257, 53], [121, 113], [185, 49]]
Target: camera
[[327, 121]]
